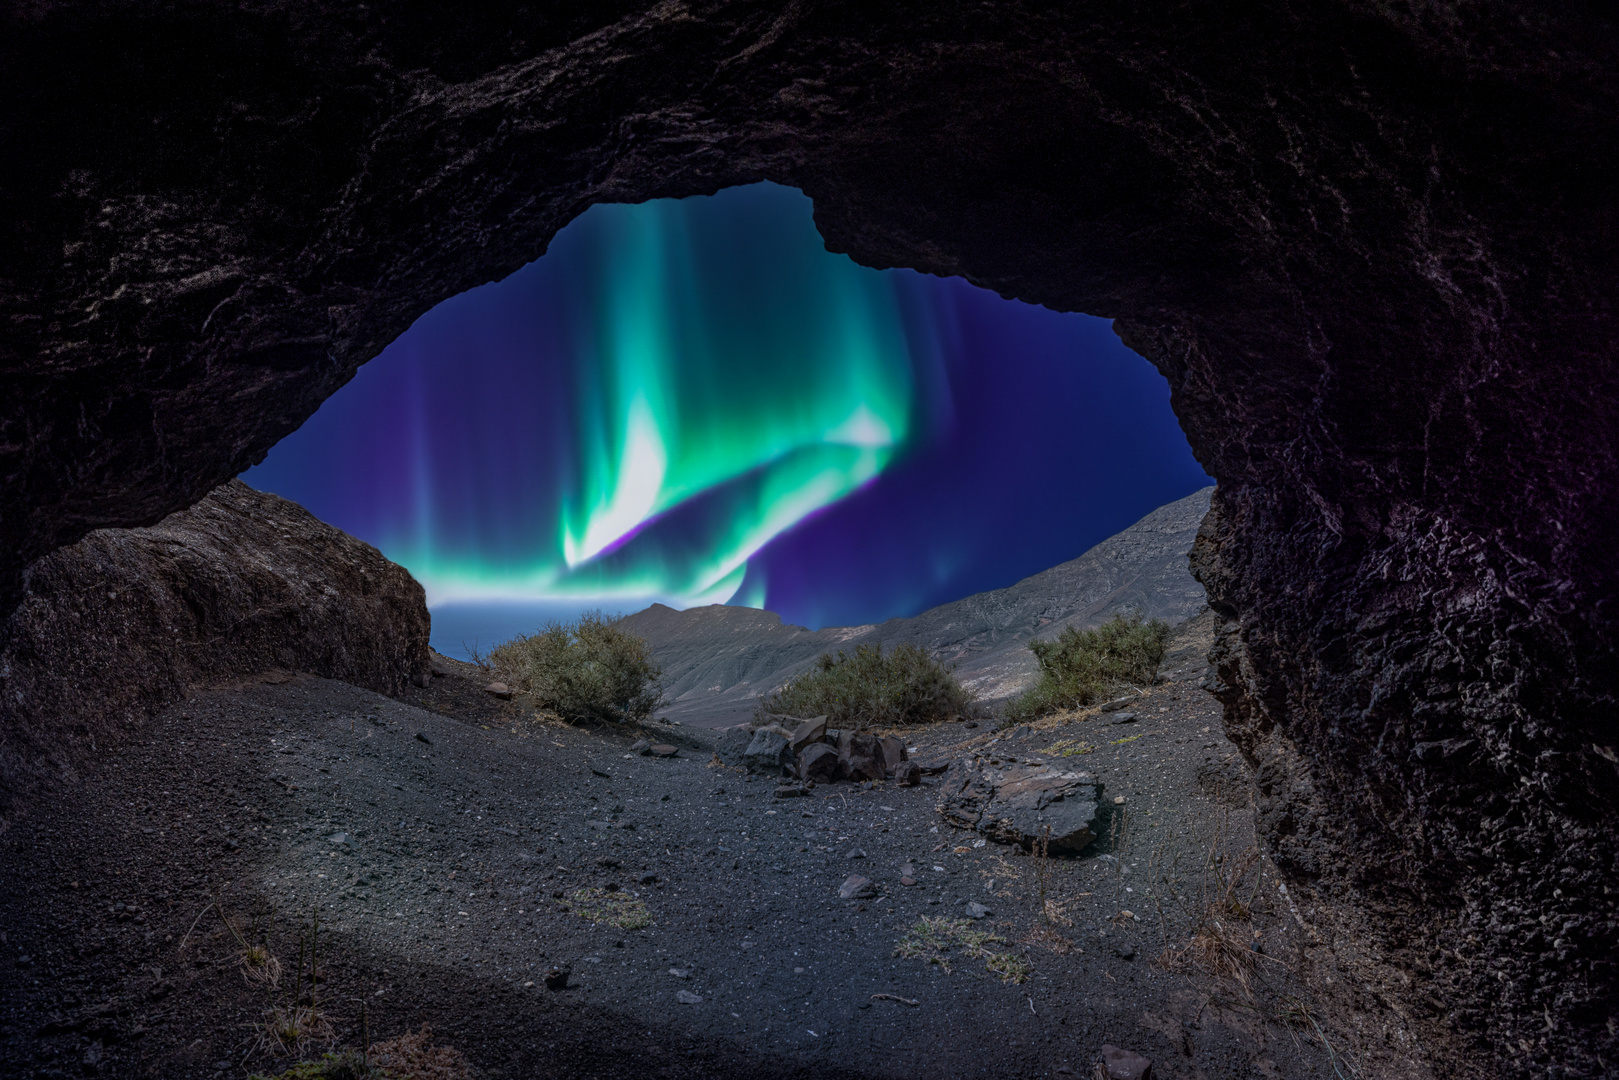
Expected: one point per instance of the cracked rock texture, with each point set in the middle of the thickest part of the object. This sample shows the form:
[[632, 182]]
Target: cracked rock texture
[[1370, 245], [127, 621]]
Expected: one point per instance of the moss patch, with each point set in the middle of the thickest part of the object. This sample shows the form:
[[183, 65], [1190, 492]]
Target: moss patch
[[942, 941], [609, 906]]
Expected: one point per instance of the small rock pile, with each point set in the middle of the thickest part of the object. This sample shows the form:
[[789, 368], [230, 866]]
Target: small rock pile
[[812, 753]]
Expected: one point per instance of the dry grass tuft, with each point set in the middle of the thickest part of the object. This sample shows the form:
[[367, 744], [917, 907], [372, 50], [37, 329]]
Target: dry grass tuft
[[1050, 939], [259, 966], [1068, 748], [1222, 944], [404, 1057], [293, 1029], [1010, 966], [1216, 948], [933, 938], [621, 909], [411, 1057]]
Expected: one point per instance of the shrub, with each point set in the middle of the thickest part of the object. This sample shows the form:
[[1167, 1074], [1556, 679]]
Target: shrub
[[590, 670], [1080, 666], [873, 688]]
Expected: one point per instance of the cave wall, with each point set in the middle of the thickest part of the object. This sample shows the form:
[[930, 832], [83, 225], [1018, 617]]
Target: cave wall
[[1370, 245]]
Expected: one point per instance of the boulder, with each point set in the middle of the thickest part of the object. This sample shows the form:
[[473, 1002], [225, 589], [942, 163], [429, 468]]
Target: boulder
[[1018, 804], [731, 744], [500, 690], [893, 752], [1120, 1064], [860, 757], [819, 762], [808, 732], [907, 774], [242, 585], [770, 750]]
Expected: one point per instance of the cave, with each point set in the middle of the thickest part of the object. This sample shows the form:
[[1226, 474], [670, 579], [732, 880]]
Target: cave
[[1370, 246]]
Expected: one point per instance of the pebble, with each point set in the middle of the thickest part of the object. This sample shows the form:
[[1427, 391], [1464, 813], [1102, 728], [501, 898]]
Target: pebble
[[975, 910], [855, 853], [856, 888], [500, 690], [664, 750], [680, 973], [686, 997]]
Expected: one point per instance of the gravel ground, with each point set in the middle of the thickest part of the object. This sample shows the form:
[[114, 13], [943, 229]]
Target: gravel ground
[[452, 860]]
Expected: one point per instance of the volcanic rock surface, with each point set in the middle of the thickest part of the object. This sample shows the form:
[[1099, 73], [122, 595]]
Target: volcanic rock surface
[[127, 621], [718, 661], [1371, 246]]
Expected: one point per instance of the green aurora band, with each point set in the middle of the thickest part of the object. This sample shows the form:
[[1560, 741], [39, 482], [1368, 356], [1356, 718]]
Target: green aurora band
[[726, 377]]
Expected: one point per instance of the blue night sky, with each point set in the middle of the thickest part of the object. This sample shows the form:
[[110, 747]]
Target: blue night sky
[[692, 401]]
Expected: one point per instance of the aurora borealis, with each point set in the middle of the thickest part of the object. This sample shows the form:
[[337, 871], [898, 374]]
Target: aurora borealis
[[693, 401]]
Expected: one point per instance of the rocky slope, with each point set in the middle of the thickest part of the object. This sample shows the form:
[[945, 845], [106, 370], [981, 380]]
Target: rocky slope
[[454, 862], [1369, 244], [718, 661], [127, 621]]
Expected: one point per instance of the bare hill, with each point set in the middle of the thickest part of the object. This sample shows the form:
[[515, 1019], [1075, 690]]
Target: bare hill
[[719, 660]]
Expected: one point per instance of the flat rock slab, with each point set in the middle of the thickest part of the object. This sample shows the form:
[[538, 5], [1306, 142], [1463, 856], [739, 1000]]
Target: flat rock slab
[[1019, 803]]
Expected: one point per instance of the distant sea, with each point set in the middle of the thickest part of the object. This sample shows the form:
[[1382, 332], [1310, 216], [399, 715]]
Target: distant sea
[[460, 628]]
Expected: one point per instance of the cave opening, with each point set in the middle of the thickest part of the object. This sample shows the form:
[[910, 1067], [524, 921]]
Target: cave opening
[[692, 401], [1370, 248]]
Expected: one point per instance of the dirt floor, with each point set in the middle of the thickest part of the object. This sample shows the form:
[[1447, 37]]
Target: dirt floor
[[438, 857]]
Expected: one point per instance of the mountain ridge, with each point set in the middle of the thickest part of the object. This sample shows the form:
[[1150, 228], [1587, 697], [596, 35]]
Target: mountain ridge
[[718, 661]]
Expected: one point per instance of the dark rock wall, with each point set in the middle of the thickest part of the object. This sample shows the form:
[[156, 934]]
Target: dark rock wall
[[1371, 245], [128, 620]]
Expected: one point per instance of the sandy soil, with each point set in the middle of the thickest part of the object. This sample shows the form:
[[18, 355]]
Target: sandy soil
[[454, 856]]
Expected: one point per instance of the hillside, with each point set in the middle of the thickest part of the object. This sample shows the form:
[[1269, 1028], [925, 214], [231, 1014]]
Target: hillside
[[718, 660]]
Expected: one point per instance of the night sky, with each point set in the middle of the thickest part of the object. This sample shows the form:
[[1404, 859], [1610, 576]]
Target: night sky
[[692, 401]]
